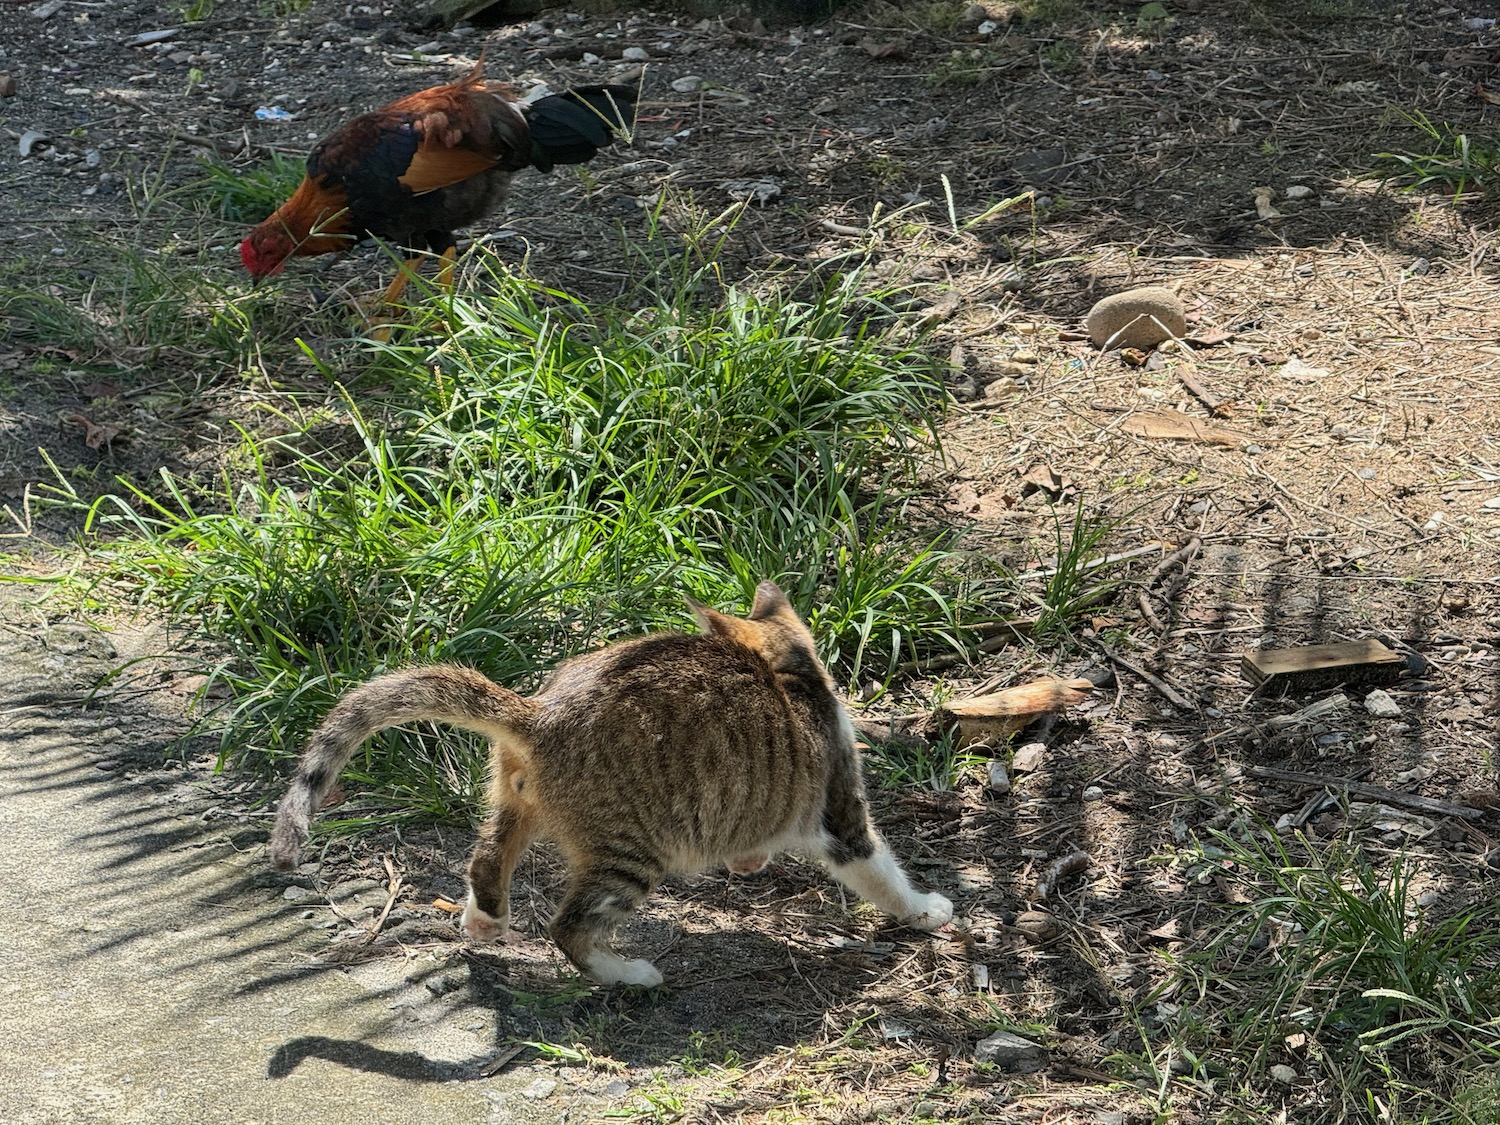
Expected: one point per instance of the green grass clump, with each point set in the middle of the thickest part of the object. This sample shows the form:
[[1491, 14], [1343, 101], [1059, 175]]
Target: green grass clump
[[545, 475], [250, 194], [1332, 966], [1449, 161]]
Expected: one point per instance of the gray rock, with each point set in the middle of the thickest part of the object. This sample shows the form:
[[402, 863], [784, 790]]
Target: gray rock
[[1283, 1074], [999, 782], [1381, 705], [635, 54], [1093, 793], [541, 1088], [295, 893], [1011, 1052], [687, 84], [1137, 318]]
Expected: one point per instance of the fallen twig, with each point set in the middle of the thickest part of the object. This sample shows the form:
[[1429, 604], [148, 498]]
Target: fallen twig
[[1278, 723], [1172, 695], [1364, 789], [393, 888], [1217, 406]]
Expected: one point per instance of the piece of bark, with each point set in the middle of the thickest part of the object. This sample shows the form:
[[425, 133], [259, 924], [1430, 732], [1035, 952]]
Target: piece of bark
[[1366, 663], [995, 717], [1365, 789], [1172, 426]]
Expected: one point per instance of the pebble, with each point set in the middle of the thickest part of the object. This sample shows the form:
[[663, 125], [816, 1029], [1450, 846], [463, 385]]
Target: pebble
[[1037, 925], [1093, 793], [541, 1088], [999, 780], [688, 84], [1381, 705], [1137, 318], [1011, 1052], [7, 86], [295, 893], [1283, 1074], [635, 54], [1298, 191]]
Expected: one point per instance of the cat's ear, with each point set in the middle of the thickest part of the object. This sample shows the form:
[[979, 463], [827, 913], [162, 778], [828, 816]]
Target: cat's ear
[[711, 621], [769, 601]]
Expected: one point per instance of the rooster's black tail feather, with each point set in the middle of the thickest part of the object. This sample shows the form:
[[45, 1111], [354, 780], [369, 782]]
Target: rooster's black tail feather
[[572, 127]]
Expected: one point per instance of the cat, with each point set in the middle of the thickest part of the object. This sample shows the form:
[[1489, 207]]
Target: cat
[[667, 754]]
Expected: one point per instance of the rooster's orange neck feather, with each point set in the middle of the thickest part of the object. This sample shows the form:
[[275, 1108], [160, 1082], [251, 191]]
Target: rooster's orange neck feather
[[316, 217]]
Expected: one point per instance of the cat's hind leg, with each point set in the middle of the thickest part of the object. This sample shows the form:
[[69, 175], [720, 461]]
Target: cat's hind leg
[[603, 893], [502, 839]]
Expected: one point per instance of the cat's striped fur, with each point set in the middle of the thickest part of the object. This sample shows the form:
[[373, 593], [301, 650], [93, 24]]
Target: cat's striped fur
[[668, 754]]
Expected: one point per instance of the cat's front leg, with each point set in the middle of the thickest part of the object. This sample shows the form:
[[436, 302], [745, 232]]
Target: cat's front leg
[[876, 877]]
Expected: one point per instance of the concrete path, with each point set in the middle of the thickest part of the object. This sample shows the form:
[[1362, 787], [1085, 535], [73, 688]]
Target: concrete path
[[151, 969]]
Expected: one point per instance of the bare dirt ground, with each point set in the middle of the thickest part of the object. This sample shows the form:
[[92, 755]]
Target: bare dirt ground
[[1354, 339]]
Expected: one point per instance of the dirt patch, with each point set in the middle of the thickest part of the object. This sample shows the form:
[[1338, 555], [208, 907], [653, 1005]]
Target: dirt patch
[[1350, 342]]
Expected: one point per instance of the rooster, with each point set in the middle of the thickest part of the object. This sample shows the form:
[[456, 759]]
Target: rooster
[[414, 170]]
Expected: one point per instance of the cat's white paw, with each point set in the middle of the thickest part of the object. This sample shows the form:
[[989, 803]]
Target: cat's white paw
[[479, 926], [608, 969], [933, 912]]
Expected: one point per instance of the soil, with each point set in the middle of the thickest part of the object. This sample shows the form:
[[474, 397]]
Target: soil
[[1353, 337]]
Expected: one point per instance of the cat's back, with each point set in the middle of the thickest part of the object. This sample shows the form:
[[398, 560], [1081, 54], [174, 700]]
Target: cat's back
[[665, 674], [691, 742]]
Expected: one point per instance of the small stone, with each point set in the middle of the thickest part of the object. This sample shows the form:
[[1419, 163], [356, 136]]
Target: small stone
[[48, 10], [7, 86], [1093, 793], [1137, 318], [1109, 1117], [635, 54], [1381, 705], [988, 27], [295, 893], [1011, 1052], [1283, 1074], [432, 48], [1037, 925], [999, 780], [687, 84], [541, 1088], [1298, 191], [448, 982], [107, 766], [616, 1089]]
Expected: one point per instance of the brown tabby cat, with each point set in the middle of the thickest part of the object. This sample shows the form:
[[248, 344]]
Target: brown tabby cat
[[668, 754]]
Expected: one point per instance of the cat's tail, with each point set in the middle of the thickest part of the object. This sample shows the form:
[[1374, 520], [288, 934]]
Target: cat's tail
[[442, 693]]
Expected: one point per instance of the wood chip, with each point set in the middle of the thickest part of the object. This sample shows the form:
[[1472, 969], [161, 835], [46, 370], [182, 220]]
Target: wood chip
[[995, 717]]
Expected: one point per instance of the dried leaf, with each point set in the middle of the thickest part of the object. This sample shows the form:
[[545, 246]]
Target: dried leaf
[[95, 436], [1484, 95], [1047, 480], [890, 49], [102, 388]]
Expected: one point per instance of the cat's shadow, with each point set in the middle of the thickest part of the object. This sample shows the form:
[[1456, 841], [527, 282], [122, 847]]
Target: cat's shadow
[[741, 991]]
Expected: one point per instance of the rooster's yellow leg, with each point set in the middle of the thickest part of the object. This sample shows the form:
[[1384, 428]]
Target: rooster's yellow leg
[[444, 277], [398, 285]]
